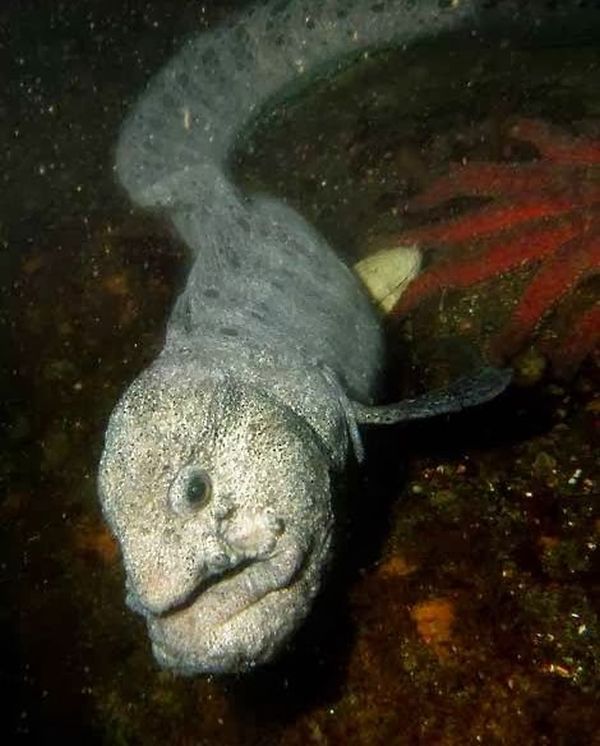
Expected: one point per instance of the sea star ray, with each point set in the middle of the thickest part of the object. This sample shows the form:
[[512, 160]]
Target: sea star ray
[[483, 179], [564, 269], [555, 145], [584, 337], [544, 212], [523, 248]]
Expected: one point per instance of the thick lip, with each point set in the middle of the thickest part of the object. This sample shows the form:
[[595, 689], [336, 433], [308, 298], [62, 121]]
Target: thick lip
[[201, 588], [225, 599]]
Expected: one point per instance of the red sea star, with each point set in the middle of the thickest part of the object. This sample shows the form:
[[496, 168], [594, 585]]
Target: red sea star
[[545, 212]]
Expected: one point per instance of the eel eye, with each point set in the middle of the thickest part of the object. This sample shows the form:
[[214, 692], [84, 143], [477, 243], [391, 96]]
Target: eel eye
[[197, 491], [190, 491]]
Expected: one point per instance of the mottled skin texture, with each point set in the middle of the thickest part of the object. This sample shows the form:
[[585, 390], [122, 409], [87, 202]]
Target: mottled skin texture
[[219, 460], [222, 582], [248, 391]]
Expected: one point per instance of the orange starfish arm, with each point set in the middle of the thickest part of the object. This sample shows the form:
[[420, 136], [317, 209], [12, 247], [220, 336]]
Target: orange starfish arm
[[556, 277], [489, 219], [483, 179], [502, 255], [585, 336], [555, 145]]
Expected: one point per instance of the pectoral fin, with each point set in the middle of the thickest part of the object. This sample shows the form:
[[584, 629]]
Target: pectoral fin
[[466, 391]]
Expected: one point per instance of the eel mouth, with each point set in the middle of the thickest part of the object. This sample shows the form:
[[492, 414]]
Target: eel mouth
[[203, 587], [231, 620]]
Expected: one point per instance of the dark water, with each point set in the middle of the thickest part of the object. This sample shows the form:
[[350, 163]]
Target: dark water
[[464, 606]]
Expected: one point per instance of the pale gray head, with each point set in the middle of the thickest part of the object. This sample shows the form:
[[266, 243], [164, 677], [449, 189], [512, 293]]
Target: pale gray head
[[219, 496]]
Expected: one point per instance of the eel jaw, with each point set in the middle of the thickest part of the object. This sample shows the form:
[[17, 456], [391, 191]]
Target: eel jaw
[[240, 619]]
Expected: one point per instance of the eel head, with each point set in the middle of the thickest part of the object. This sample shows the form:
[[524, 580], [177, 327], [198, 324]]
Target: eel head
[[219, 496]]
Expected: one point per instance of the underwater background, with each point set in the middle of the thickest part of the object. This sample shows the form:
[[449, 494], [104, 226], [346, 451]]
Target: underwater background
[[464, 603]]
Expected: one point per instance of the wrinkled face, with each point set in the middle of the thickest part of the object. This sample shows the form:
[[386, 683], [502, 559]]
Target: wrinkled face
[[219, 497]]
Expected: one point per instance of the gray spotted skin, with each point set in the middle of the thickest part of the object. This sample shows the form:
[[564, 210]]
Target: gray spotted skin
[[223, 583], [270, 285], [219, 459]]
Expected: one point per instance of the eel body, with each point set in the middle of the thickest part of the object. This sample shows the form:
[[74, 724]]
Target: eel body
[[219, 459]]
